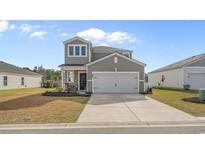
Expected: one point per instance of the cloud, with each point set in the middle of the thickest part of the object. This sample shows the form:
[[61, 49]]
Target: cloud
[[4, 25], [25, 28], [103, 44], [12, 27], [1, 34], [63, 34], [92, 34], [121, 37], [39, 34], [98, 35]]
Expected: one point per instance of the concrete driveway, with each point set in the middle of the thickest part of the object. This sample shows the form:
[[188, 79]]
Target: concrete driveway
[[129, 108]]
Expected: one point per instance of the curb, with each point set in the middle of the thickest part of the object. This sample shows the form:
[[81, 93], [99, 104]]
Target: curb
[[102, 125]]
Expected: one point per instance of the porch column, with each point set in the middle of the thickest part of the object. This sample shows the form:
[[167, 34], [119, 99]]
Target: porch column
[[62, 78]]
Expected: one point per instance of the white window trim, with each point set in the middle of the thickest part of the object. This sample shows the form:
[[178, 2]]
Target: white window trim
[[74, 45], [72, 81]]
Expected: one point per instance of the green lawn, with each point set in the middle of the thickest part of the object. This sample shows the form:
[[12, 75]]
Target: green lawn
[[29, 106], [174, 99], [23, 91]]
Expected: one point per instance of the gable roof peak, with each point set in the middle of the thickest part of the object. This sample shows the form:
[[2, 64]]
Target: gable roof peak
[[76, 38]]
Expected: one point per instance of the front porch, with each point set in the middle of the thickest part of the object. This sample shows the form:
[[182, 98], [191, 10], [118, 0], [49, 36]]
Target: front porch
[[74, 77]]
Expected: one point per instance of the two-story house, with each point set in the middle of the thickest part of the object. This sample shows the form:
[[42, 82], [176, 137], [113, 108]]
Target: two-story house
[[101, 69]]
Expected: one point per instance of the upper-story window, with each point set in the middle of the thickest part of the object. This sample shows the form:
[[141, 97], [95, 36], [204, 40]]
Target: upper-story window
[[71, 50], [83, 50], [77, 50]]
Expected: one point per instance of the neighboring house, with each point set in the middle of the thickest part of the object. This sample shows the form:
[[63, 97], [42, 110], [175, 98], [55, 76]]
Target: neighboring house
[[12, 77], [101, 69], [190, 72]]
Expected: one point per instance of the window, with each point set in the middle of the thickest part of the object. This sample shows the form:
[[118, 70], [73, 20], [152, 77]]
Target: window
[[163, 78], [22, 81], [77, 50], [115, 60], [83, 50], [70, 76], [5, 81], [71, 50]]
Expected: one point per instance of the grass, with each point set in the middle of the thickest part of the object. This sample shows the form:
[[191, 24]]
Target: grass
[[174, 99], [29, 106]]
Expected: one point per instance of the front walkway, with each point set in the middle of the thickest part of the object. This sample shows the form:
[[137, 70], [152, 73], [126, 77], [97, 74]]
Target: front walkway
[[129, 108]]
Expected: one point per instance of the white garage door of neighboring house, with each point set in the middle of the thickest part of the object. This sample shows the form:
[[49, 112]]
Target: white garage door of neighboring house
[[116, 82], [196, 80]]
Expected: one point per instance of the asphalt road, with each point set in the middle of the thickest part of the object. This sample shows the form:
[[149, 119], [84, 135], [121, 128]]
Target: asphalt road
[[130, 130]]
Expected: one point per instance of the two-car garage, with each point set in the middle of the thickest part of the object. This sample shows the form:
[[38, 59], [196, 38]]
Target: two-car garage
[[115, 82], [115, 73]]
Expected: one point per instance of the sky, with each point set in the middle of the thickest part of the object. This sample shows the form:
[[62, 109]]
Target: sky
[[29, 43]]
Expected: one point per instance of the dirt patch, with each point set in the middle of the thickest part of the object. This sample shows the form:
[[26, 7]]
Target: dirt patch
[[41, 109]]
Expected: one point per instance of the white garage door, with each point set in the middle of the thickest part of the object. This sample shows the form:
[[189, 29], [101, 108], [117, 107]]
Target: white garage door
[[196, 80], [116, 82]]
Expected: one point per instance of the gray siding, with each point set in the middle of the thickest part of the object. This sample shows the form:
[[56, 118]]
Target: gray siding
[[76, 60], [96, 56], [108, 65], [141, 87], [198, 63]]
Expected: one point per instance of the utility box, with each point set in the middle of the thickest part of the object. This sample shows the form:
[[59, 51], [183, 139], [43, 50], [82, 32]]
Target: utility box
[[202, 94]]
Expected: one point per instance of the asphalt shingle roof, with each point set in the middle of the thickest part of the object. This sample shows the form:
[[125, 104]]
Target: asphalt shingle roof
[[108, 49], [5, 67], [71, 65], [180, 64]]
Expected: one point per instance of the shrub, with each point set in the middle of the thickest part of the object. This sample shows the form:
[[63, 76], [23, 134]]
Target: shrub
[[59, 89], [71, 88], [57, 84], [49, 84], [186, 86]]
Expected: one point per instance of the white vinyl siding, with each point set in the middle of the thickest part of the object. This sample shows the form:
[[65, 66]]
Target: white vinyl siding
[[172, 78], [14, 81]]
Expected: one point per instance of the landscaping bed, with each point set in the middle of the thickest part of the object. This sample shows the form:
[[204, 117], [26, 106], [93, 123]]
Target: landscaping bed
[[64, 94], [193, 100]]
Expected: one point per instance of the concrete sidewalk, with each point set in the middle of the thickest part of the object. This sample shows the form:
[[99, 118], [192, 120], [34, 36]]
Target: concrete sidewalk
[[130, 108]]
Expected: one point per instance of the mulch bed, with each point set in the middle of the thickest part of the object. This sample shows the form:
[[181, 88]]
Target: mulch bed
[[194, 100], [64, 94]]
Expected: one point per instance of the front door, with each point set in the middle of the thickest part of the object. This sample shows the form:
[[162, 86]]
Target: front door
[[82, 81]]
